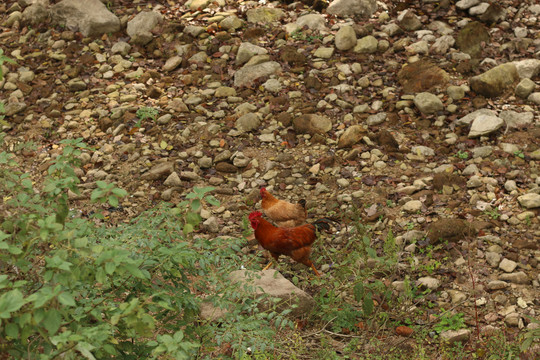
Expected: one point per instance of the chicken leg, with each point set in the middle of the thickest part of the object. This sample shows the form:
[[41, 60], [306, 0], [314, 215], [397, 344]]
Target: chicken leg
[[268, 266]]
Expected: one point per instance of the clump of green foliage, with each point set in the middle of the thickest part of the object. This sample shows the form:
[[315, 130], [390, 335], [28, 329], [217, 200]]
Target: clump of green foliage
[[71, 288], [146, 112]]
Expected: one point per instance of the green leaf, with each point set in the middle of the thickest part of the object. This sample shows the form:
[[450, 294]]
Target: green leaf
[[52, 321], [85, 349], [134, 270], [3, 235], [188, 228], [15, 250], [101, 184], [358, 292], [212, 200], [96, 194], [10, 302], [66, 299], [27, 183], [110, 267], [119, 192], [12, 330], [113, 201], [193, 218], [80, 242], [368, 305], [196, 204]]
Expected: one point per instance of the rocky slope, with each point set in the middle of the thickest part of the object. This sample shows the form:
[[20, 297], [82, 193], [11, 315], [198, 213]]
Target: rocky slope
[[420, 117]]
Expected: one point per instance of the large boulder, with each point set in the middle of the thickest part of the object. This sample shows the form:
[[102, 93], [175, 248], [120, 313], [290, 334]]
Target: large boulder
[[273, 284], [90, 17]]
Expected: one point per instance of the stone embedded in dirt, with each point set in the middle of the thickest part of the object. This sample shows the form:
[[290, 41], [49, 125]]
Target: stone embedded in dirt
[[248, 122], [13, 108], [211, 225], [451, 230], [366, 45], [514, 119], [35, 14], [454, 336], [351, 136], [528, 68], [443, 44], [312, 124], [246, 51], [273, 284], [264, 15], [172, 63], [485, 124], [409, 21], [412, 206], [457, 296], [159, 171], [291, 56], [376, 119], [139, 28], [121, 47], [249, 73], [525, 88], [455, 92], [516, 278], [530, 200], [495, 81], [386, 140], [428, 282], [469, 118], [496, 285], [312, 21], [493, 258], [231, 22], [226, 167], [507, 265], [225, 91], [422, 76], [428, 103], [493, 14], [471, 37], [346, 8], [345, 38], [466, 4], [173, 180], [198, 4], [324, 52], [91, 17]]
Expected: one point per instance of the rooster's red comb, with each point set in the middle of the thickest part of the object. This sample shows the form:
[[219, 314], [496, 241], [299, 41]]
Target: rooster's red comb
[[263, 190], [255, 214]]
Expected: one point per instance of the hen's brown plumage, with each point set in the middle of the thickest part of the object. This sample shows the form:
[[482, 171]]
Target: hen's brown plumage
[[293, 241], [283, 213]]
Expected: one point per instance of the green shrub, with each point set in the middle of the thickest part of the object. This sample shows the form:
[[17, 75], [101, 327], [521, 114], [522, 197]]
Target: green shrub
[[70, 287]]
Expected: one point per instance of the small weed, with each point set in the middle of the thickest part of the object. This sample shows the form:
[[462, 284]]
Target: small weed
[[519, 154], [463, 155], [448, 321], [493, 213], [144, 113], [531, 335]]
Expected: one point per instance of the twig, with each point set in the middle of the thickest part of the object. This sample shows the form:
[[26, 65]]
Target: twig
[[322, 329]]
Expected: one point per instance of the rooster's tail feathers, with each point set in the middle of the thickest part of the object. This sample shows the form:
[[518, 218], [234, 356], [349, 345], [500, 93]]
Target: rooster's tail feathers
[[325, 224]]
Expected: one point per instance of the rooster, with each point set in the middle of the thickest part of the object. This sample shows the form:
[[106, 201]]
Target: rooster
[[286, 214], [283, 213], [290, 241]]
